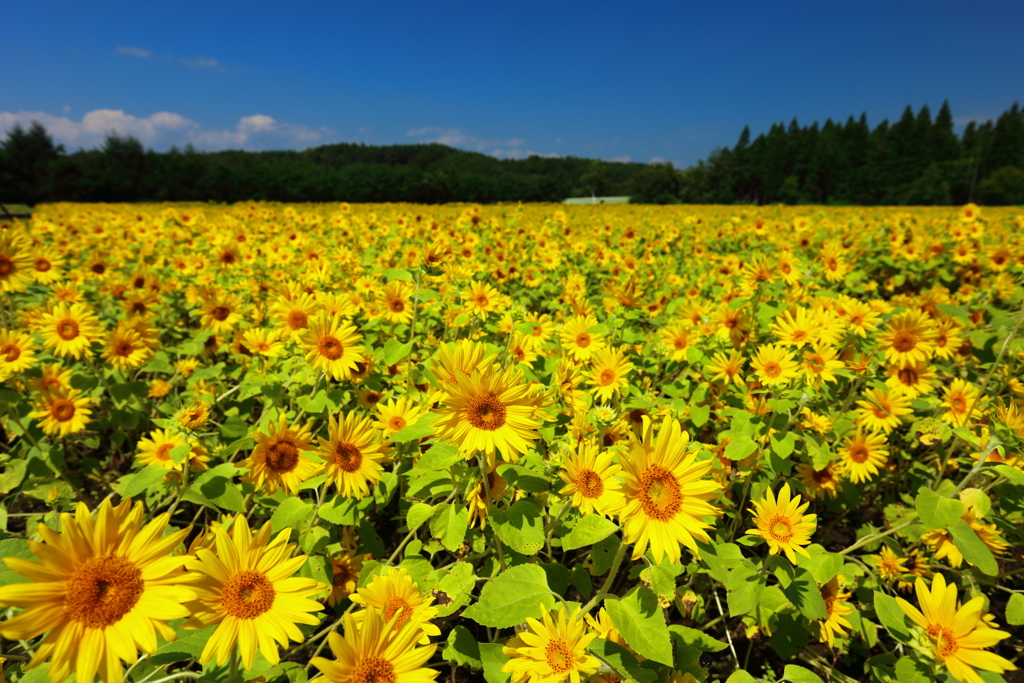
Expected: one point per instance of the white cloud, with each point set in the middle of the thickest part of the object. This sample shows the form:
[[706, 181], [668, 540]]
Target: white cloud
[[165, 128], [139, 52], [510, 148], [657, 160], [622, 160], [202, 63]]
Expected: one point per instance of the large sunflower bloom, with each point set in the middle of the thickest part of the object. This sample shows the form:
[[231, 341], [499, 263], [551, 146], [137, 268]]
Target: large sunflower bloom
[[375, 653], [332, 346], [782, 523], [278, 460], [608, 374], [17, 353], [909, 338], [551, 649], [62, 411], [69, 330], [248, 589], [489, 411], [15, 262], [590, 478], [353, 455], [666, 494], [400, 599], [577, 338], [104, 589], [863, 453], [960, 636]]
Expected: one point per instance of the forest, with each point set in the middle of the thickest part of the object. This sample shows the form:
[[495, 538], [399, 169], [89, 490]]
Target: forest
[[918, 160]]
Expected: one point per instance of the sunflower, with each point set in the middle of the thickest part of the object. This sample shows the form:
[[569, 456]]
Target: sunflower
[[125, 349], [947, 338], [332, 346], [888, 564], [396, 595], [277, 461], [676, 339], [481, 299], [69, 330], [795, 330], [397, 302], [775, 365], [248, 590], [782, 523], [567, 378], [353, 455], [15, 262], [837, 608], [193, 417], [908, 338], [578, 339], [489, 411], [62, 411], [156, 450], [374, 653], [395, 415], [962, 404], [262, 342], [959, 636], [727, 368], [862, 454], [104, 589], [551, 649], [542, 326], [220, 313], [823, 482], [860, 317], [479, 498], [590, 479], [666, 495], [293, 314], [458, 360], [345, 571], [54, 376], [522, 349], [883, 410], [916, 379], [17, 353], [608, 374]]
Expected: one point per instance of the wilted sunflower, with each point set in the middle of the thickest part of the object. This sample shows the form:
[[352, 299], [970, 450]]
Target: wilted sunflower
[[277, 461], [666, 493], [489, 412], [332, 346], [551, 649], [103, 591], [590, 479], [396, 595], [782, 523], [249, 591], [62, 411], [353, 455], [374, 653], [69, 330]]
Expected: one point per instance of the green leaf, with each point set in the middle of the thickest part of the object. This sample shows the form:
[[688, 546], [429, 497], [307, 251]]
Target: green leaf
[[799, 674], [740, 676], [720, 558], [223, 493], [588, 531], [440, 456], [456, 586], [461, 649], [935, 511], [909, 670], [699, 415], [892, 617], [493, 659], [521, 526], [1015, 610], [973, 548], [744, 587], [398, 274], [822, 566], [740, 447], [180, 452], [143, 479], [621, 660], [698, 639], [417, 514], [641, 621], [514, 595], [340, 510], [424, 427], [1011, 473], [790, 636], [801, 589], [783, 444], [289, 513], [449, 525], [520, 477], [395, 351], [13, 547], [188, 645]]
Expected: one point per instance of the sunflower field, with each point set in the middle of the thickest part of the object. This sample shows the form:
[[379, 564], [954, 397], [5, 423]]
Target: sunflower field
[[518, 443]]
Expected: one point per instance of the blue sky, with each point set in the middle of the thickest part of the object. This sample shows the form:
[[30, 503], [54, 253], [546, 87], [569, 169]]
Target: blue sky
[[667, 81]]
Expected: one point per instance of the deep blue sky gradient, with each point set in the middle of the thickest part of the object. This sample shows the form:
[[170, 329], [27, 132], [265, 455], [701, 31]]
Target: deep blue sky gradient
[[666, 80]]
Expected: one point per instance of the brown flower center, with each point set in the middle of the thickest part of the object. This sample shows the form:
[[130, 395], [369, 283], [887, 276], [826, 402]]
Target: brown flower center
[[374, 670], [42, 265], [859, 453], [589, 484], [102, 590], [400, 607], [607, 377], [330, 347], [67, 330], [559, 656], [247, 594], [282, 456], [297, 320], [124, 349], [99, 268], [164, 451], [396, 305], [958, 404], [904, 341], [62, 410], [660, 494], [220, 313], [347, 457], [485, 411], [772, 369], [396, 423], [780, 529], [10, 352], [583, 340], [6, 266]]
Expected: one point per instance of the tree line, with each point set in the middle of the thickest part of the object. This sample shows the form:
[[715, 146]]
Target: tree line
[[917, 160]]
